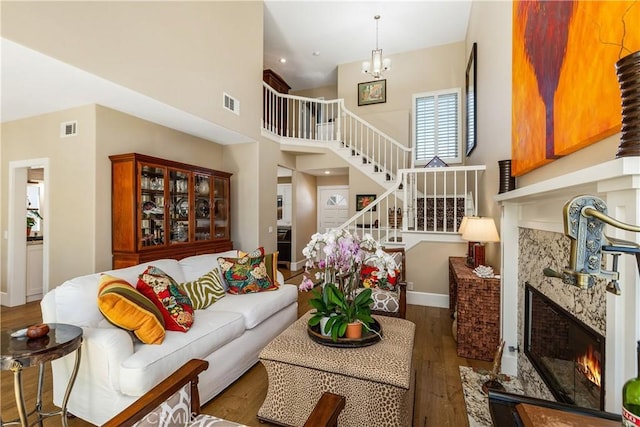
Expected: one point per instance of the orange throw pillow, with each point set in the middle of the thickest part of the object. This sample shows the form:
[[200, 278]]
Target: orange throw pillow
[[128, 309]]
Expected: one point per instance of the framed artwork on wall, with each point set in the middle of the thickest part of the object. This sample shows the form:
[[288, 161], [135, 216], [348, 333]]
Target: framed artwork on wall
[[563, 99], [471, 101], [374, 92], [364, 200]]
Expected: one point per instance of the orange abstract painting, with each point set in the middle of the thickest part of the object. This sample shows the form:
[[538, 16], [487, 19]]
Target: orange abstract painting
[[565, 90]]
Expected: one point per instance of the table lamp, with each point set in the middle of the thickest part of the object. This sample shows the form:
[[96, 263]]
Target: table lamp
[[461, 229], [480, 230]]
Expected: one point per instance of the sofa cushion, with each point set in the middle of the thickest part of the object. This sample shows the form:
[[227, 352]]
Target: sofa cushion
[[150, 364], [127, 308], [131, 274], [205, 290], [257, 307], [171, 300], [246, 275], [198, 265], [383, 300], [75, 302]]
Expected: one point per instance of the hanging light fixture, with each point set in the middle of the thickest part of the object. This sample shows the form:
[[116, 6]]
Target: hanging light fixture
[[377, 66]]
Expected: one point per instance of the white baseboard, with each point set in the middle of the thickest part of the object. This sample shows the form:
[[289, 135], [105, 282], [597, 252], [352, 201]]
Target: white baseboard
[[295, 266], [428, 299]]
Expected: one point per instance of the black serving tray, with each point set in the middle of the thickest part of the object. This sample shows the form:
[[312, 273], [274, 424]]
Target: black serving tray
[[368, 337]]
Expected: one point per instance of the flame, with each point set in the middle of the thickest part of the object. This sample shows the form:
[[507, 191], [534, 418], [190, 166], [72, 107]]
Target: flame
[[589, 366]]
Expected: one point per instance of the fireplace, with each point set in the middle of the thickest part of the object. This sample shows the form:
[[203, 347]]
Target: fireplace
[[568, 354]]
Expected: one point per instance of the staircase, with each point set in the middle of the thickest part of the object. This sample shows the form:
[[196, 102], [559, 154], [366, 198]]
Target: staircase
[[418, 204]]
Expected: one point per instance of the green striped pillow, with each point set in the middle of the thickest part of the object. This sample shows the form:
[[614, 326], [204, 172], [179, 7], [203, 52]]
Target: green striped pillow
[[205, 290]]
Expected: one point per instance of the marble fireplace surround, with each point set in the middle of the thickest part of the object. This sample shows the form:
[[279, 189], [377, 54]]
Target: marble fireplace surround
[[531, 227]]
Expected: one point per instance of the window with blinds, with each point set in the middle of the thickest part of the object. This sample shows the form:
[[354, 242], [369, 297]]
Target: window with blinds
[[436, 128]]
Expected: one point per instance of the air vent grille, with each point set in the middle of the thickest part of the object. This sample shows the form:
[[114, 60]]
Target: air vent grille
[[68, 129], [230, 103]]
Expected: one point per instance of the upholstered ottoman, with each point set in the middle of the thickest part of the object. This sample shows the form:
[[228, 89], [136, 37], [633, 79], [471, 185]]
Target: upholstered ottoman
[[377, 381]]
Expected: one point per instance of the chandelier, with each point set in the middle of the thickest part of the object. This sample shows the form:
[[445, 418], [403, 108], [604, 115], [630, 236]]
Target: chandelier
[[377, 66]]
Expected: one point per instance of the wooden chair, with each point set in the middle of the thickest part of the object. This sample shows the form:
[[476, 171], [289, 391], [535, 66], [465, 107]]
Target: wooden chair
[[175, 401], [393, 303]]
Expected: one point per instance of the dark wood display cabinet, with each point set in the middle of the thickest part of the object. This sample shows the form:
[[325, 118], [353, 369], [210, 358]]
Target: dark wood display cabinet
[[166, 209]]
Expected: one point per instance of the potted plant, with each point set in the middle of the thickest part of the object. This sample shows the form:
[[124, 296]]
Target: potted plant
[[31, 219], [325, 309], [352, 313], [340, 256]]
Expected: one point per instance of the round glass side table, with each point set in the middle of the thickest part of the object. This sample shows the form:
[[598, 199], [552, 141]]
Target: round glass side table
[[22, 352]]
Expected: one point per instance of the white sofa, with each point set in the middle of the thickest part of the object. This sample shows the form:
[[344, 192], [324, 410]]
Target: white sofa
[[115, 369]]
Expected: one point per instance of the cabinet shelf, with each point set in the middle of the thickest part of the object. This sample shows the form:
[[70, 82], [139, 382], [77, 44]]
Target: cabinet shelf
[[182, 221]]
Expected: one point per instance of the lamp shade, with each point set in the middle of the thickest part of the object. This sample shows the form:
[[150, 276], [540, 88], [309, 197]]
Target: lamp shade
[[463, 223], [480, 229]]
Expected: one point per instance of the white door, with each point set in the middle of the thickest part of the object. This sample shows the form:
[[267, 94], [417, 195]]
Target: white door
[[333, 207]]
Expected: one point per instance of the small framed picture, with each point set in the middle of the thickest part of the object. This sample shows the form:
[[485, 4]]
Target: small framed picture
[[364, 200], [374, 92]]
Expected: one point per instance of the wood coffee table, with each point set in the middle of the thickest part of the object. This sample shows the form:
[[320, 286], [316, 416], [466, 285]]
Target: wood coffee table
[[377, 381]]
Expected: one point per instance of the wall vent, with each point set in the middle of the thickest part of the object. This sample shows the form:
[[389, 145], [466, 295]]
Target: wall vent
[[230, 103], [68, 129]]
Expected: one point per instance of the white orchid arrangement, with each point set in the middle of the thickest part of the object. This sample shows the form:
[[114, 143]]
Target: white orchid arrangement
[[339, 255]]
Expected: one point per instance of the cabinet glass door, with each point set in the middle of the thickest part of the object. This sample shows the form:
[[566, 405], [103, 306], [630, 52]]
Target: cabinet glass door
[[221, 207], [179, 185], [152, 215], [202, 207]]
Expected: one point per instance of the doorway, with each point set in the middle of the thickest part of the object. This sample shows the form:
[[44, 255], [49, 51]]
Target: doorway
[[333, 207], [16, 292]]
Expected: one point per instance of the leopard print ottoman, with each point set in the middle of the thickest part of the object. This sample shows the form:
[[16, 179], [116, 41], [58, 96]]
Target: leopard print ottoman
[[377, 381]]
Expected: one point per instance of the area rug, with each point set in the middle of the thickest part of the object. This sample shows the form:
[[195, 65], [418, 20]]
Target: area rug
[[476, 400]]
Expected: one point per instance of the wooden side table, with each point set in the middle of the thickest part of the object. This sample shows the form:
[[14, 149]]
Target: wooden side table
[[21, 352], [477, 303]]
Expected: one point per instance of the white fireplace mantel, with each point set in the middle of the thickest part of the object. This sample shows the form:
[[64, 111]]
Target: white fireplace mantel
[[539, 206]]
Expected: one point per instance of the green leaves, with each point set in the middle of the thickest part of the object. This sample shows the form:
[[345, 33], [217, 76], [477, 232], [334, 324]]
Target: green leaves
[[346, 310]]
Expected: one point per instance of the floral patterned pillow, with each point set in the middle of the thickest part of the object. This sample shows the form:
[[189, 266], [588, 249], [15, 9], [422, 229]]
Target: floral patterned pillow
[[369, 277], [166, 294], [270, 261], [246, 275]]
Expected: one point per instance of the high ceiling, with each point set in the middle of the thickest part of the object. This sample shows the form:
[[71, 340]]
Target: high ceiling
[[341, 32], [345, 31]]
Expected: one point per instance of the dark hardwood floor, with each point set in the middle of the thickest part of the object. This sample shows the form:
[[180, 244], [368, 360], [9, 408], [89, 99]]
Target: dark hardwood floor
[[439, 400]]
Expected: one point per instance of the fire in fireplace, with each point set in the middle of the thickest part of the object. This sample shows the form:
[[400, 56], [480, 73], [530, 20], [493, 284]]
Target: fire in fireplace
[[568, 354]]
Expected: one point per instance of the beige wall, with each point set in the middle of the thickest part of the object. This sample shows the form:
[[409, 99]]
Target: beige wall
[[79, 216], [242, 161], [72, 187], [173, 52], [413, 72], [305, 200], [326, 92], [328, 180], [428, 265], [118, 133]]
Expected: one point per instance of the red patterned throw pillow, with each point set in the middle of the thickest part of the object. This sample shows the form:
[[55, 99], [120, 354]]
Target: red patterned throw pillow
[[369, 276], [164, 292]]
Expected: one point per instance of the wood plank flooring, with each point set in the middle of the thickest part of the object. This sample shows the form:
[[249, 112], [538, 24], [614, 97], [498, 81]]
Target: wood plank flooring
[[439, 401]]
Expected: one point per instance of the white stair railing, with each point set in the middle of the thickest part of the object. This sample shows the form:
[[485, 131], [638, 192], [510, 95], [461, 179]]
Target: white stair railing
[[385, 153], [428, 200], [319, 121]]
